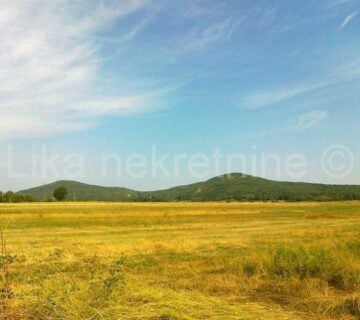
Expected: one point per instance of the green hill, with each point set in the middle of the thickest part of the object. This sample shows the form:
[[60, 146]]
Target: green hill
[[241, 187], [231, 187], [82, 192]]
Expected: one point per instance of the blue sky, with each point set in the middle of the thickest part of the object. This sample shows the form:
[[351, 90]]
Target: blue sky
[[125, 77]]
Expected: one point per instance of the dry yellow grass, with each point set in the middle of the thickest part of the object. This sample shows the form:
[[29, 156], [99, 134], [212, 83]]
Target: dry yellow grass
[[182, 261]]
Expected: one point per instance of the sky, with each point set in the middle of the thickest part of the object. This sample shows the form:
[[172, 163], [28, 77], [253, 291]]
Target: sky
[[151, 94]]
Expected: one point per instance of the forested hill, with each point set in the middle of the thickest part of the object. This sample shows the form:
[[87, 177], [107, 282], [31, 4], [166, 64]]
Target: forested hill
[[235, 186], [81, 192]]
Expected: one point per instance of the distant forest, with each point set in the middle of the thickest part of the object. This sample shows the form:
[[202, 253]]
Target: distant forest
[[230, 187]]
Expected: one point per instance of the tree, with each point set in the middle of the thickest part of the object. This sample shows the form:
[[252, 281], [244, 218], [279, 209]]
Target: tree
[[17, 198], [29, 198], [60, 193], [8, 196]]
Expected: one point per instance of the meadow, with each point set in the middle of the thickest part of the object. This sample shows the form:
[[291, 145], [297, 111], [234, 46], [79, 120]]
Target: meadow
[[167, 261]]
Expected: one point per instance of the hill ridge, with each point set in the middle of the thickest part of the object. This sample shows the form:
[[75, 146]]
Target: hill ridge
[[227, 187]]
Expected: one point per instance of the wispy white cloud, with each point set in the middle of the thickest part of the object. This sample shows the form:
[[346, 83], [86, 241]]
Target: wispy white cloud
[[303, 122], [200, 38], [341, 2], [197, 9], [270, 96], [310, 120], [262, 98], [347, 20], [139, 26], [49, 66]]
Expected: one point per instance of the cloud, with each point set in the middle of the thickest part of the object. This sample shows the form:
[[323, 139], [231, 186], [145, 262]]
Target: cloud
[[264, 98], [200, 38], [305, 121], [50, 66], [271, 96], [310, 120], [19, 126], [139, 27], [348, 19], [340, 2], [192, 9]]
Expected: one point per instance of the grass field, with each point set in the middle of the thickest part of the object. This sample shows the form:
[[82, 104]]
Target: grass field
[[180, 261]]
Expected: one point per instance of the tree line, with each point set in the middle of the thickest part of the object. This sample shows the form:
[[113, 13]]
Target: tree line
[[12, 197]]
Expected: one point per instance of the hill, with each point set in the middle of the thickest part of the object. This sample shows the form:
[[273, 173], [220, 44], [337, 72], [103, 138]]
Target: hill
[[81, 192], [240, 187], [230, 187]]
